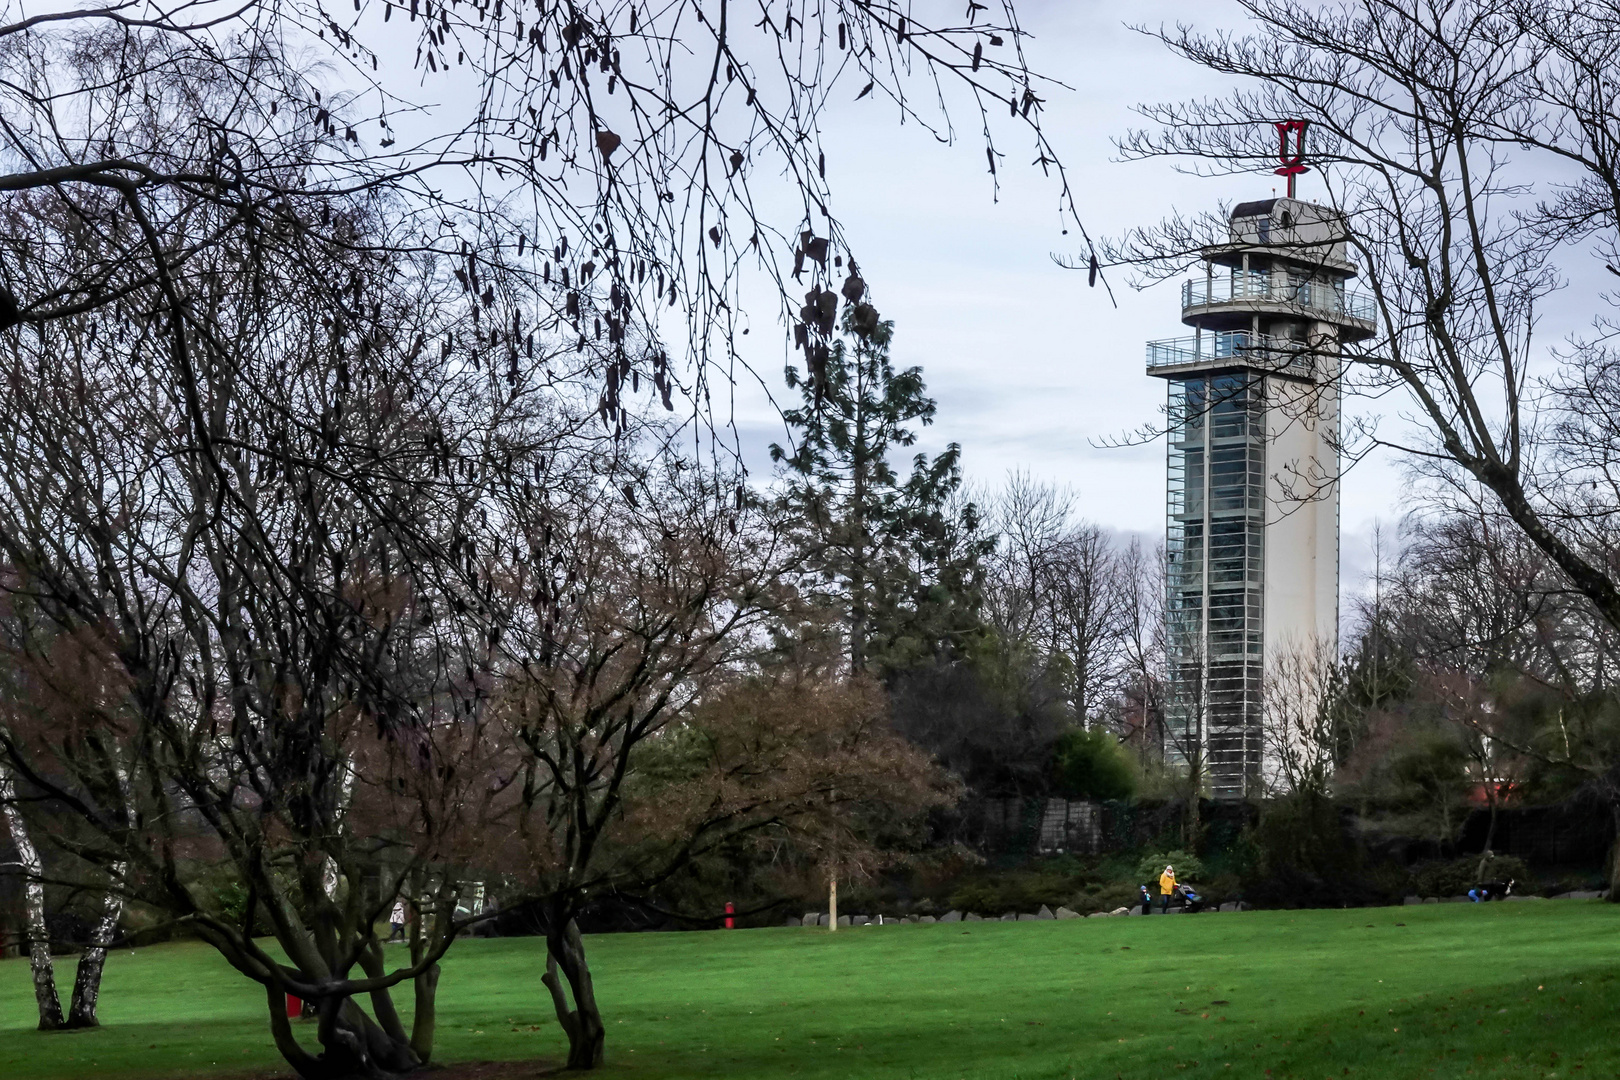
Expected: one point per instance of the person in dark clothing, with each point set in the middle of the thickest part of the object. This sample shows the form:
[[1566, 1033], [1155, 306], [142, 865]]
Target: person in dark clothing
[[1492, 890], [1147, 901]]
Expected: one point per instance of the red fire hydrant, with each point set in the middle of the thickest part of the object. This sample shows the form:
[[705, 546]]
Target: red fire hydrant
[[295, 1008], [731, 909]]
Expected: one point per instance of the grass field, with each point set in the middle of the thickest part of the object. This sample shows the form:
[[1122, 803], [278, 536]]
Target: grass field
[[1528, 989]]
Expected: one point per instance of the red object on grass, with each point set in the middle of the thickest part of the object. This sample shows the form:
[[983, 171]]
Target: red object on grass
[[731, 909], [295, 1008]]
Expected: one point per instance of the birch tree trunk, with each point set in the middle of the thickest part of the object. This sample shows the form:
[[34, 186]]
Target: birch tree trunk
[[39, 944], [87, 977], [329, 870]]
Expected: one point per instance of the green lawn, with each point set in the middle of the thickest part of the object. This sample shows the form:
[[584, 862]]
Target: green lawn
[[1527, 989]]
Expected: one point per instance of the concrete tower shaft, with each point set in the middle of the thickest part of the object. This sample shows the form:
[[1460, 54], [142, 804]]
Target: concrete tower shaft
[[1252, 529]]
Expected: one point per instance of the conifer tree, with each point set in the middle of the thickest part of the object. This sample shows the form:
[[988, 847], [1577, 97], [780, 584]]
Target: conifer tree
[[895, 559]]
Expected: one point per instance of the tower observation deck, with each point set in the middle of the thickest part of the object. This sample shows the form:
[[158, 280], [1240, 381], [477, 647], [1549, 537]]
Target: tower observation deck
[[1252, 516]]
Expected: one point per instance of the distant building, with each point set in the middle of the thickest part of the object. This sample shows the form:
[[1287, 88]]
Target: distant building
[[1252, 528]]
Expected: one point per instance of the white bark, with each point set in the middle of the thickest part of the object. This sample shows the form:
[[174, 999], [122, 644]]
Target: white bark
[[329, 870], [39, 945], [87, 978]]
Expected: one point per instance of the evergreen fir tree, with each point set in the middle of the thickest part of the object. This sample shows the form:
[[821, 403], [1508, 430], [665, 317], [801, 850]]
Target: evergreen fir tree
[[896, 559]]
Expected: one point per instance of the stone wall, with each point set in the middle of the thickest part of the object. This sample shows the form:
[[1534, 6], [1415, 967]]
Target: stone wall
[[1069, 825]]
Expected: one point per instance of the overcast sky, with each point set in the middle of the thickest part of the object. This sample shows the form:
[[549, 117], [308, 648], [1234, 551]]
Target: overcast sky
[[1031, 369]]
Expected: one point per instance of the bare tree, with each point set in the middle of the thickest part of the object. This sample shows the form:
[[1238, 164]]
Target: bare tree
[[619, 156], [82, 1006], [1471, 593], [293, 398], [36, 938], [1054, 587], [1187, 731], [623, 682], [246, 538], [1497, 677], [630, 612], [1030, 520], [1088, 603], [1300, 719], [1489, 625], [1488, 736], [1142, 699]]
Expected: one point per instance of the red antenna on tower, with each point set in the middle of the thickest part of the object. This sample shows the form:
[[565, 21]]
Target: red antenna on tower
[[1293, 161]]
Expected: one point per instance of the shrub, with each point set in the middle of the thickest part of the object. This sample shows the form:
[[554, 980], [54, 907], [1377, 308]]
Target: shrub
[[1092, 765], [1189, 867], [1060, 866], [230, 900], [1455, 877], [1302, 853], [1017, 891]]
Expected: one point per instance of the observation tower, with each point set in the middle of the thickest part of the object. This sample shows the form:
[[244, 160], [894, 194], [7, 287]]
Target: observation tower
[[1252, 525]]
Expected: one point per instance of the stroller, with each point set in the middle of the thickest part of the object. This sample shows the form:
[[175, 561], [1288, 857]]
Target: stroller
[[1490, 890], [1193, 901]]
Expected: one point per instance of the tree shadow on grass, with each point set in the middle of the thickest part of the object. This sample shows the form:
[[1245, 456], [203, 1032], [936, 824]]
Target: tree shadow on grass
[[217, 1050], [1558, 1026], [460, 1070]]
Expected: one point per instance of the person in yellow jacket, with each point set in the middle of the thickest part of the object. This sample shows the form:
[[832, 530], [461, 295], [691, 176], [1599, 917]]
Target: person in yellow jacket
[[1167, 889]]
